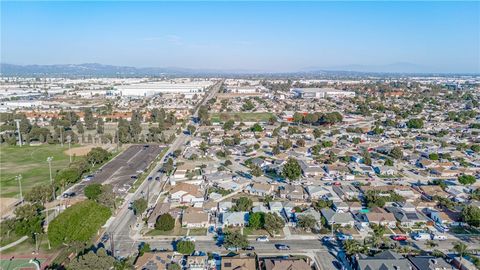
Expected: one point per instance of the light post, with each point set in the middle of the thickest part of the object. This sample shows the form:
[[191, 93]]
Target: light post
[[49, 160], [18, 130], [36, 242], [19, 179], [61, 135], [69, 140]]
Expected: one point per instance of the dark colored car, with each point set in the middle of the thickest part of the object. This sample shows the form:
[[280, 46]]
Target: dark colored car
[[157, 178], [249, 248], [282, 247]]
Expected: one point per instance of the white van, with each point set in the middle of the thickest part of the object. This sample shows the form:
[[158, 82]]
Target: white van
[[441, 228]]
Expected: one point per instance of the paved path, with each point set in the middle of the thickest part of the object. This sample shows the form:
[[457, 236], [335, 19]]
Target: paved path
[[14, 243]]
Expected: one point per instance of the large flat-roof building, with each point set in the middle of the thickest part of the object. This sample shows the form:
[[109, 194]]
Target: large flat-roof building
[[320, 92]]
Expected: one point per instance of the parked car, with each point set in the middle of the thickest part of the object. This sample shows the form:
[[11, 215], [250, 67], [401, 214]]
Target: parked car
[[233, 249], [399, 237], [441, 228], [421, 236], [327, 239], [262, 239], [343, 237], [188, 238], [249, 248], [282, 247], [105, 238], [440, 237]]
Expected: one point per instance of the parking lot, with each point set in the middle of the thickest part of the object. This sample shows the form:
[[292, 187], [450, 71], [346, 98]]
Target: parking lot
[[123, 170]]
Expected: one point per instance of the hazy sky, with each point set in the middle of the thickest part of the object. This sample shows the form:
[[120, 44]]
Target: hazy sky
[[253, 36]]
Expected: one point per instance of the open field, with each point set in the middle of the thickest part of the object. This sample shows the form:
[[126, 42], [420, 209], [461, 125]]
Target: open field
[[241, 117], [31, 163]]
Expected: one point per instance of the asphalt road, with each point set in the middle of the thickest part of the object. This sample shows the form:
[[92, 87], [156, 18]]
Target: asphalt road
[[120, 228]]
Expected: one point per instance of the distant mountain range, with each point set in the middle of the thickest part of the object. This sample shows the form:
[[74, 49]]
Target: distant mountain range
[[99, 70]]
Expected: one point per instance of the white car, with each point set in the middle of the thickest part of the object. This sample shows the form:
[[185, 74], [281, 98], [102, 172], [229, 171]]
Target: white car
[[439, 237], [188, 238], [262, 239]]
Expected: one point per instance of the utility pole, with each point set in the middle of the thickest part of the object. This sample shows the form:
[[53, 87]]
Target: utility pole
[[69, 140], [61, 135], [18, 131], [19, 179], [49, 160]]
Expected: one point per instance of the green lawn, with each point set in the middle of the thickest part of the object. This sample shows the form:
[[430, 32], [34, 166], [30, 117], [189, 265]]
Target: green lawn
[[31, 163], [18, 263], [198, 232], [241, 117]]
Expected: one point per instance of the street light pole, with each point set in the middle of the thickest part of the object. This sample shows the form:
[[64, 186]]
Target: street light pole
[[19, 179], [49, 160], [18, 130], [69, 140], [61, 135]]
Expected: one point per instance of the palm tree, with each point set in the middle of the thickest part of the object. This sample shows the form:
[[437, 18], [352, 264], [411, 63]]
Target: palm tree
[[431, 244], [461, 249]]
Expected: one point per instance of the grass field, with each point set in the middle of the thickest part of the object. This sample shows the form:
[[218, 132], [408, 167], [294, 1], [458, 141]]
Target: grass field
[[31, 163], [241, 117], [18, 263]]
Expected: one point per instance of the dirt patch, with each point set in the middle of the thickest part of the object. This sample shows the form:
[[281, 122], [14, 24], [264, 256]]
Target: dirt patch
[[7, 204], [80, 151]]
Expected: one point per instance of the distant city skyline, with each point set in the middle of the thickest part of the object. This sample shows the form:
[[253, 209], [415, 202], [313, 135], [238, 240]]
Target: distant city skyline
[[246, 36]]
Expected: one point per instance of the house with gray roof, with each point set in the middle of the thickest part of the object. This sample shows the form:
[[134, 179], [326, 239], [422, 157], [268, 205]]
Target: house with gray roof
[[342, 219], [237, 219], [386, 260]]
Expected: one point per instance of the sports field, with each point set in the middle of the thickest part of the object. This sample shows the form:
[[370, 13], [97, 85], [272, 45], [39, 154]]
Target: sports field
[[19, 263], [31, 163]]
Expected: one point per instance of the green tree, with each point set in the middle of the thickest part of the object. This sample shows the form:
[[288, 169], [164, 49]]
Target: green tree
[[28, 219], [461, 249], [243, 204], [93, 191], [228, 125], [256, 220], [306, 221], [292, 170], [273, 223], [415, 123], [143, 248], [235, 239], [165, 222], [467, 179], [191, 129], [256, 170], [139, 206], [433, 156], [257, 128], [471, 215], [186, 247], [92, 261], [388, 162], [475, 148], [396, 152], [39, 194]]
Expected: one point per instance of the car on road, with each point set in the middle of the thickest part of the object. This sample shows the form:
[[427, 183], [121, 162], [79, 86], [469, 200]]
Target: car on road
[[187, 238], [105, 238], [134, 177], [249, 248], [327, 239], [157, 178], [234, 249], [262, 239], [68, 194], [150, 178], [344, 237], [399, 237], [282, 247]]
